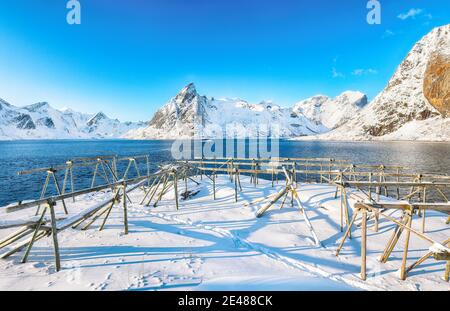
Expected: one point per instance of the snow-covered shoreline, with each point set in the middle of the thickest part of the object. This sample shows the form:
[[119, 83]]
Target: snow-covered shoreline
[[211, 245], [371, 140]]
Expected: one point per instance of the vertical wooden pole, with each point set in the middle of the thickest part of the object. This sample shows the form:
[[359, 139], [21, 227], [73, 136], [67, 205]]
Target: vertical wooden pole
[[66, 174], [380, 179], [376, 220], [125, 211], [424, 211], [405, 250], [363, 244], [214, 185], [346, 210], [256, 174], [329, 170], [201, 172], [115, 167], [59, 191], [321, 175], [127, 169], [342, 209], [252, 176], [72, 183], [447, 271], [239, 180], [235, 185], [54, 235], [44, 190], [384, 179], [95, 174], [148, 168], [175, 188], [291, 180], [273, 171]]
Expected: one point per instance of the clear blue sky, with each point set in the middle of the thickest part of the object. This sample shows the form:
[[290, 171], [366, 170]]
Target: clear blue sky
[[128, 57]]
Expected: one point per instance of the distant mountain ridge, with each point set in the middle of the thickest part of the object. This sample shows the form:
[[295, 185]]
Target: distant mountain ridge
[[331, 112], [190, 114], [41, 121]]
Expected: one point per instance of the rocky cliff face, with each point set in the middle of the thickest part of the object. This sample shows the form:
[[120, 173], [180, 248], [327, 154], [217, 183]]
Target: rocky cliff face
[[415, 98], [436, 85]]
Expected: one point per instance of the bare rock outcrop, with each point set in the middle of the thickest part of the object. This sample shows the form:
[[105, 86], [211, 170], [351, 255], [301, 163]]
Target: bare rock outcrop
[[436, 84]]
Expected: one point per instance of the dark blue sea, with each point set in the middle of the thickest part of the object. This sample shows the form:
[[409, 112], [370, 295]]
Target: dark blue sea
[[23, 155]]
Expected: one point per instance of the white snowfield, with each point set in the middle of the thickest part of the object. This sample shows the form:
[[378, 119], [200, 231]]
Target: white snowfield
[[220, 245]]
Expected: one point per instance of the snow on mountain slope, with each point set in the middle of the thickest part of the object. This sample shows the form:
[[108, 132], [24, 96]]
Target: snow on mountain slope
[[188, 114], [401, 111], [329, 112], [41, 121]]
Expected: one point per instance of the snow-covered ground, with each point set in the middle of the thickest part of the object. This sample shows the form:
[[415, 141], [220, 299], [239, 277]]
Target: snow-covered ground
[[220, 245]]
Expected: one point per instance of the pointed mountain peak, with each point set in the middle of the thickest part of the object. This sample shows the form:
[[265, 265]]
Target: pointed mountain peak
[[187, 93], [37, 106], [189, 88], [353, 97], [5, 103], [100, 115], [96, 118]]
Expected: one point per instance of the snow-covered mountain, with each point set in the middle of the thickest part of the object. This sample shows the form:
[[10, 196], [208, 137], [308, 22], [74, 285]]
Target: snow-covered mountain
[[330, 112], [189, 115], [41, 121], [415, 103]]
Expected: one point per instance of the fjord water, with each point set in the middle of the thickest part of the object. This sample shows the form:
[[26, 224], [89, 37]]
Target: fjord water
[[23, 155]]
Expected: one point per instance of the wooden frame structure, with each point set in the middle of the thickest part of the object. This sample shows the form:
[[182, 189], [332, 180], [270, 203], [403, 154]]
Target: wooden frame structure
[[39, 229], [45, 223], [365, 179], [411, 190]]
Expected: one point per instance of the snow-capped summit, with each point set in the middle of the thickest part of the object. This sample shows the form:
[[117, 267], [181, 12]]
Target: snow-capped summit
[[42, 106], [413, 104], [96, 119], [179, 114], [329, 112], [187, 94], [4, 103]]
